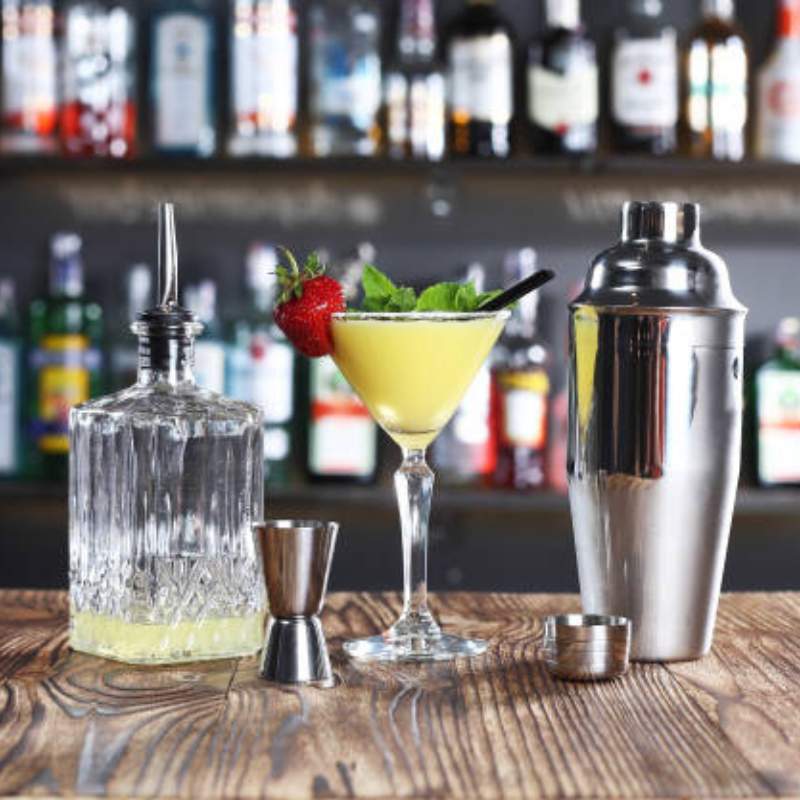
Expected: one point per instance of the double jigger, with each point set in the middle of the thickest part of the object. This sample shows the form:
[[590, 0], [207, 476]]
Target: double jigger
[[296, 556]]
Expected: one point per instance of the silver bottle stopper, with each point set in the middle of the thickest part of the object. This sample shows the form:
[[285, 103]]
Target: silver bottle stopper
[[296, 556]]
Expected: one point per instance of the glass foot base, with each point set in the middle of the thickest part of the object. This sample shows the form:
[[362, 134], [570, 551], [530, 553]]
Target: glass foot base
[[388, 648]]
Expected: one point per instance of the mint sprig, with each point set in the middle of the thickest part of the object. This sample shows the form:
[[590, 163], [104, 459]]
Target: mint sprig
[[381, 295]]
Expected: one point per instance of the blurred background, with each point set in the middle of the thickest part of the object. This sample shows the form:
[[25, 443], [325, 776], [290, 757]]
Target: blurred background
[[439, 140]]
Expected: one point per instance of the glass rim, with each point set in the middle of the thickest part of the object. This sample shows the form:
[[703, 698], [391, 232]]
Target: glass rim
[[431, 316]]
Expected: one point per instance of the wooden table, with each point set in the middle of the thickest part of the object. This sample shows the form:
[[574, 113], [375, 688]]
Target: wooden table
[[495, 727]]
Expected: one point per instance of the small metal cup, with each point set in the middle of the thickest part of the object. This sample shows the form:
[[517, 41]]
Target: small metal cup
[[587, 648], [296, 556]]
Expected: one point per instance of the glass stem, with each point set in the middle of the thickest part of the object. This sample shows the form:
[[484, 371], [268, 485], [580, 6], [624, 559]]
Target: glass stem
[[414, 485]]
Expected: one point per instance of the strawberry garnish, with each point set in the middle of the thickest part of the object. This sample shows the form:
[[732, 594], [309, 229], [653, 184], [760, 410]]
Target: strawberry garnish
[[307, 300]]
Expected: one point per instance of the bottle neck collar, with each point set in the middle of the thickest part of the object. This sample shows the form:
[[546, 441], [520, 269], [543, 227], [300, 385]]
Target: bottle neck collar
[[165, 360]]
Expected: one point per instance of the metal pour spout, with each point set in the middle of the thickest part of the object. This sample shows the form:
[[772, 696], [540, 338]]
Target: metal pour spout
[[167, 257]]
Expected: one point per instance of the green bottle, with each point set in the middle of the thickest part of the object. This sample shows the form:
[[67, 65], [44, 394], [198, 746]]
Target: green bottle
[[776, 411], [64, 359]]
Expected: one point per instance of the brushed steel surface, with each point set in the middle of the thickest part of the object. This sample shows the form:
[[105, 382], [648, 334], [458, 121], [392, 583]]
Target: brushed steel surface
[[296, 652], [296, 556], [591, 647], [655, 429]]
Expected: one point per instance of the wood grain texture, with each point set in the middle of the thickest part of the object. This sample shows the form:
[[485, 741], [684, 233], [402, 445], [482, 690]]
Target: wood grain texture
[[494, 727]]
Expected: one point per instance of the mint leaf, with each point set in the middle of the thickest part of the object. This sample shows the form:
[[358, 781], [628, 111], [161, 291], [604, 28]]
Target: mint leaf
[[403, 299], [376, 285], [380, 294], [439, 297], [466, 297], [375, 303]]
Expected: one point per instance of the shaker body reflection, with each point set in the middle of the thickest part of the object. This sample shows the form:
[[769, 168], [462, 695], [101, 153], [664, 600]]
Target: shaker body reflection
[[655, 427]]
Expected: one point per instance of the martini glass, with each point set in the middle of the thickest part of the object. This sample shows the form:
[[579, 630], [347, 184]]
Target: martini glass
[[411, 371]]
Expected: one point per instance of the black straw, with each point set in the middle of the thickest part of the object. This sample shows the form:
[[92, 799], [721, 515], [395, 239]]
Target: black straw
[[518, 290]]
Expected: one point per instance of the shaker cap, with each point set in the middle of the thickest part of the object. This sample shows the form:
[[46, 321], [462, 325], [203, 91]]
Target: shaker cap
[[660, 263]]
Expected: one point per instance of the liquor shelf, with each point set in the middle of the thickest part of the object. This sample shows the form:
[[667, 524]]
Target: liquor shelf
[[522, 166], [313, 497]]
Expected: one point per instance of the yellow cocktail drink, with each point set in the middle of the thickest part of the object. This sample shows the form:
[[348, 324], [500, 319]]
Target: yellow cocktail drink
[[411, 370], [138, 642]]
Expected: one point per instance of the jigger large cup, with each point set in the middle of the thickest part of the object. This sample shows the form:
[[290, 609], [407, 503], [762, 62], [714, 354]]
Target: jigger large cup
[[656, 342], [296, 556]]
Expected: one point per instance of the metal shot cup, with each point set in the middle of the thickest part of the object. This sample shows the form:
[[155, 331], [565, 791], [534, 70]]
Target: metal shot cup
[[656, 340], [296, 556], [586, 648]]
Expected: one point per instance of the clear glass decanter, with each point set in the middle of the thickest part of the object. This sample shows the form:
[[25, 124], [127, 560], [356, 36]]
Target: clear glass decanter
[[165, 482]]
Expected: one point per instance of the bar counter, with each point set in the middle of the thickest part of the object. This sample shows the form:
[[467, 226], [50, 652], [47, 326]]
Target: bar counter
[[494, 727]]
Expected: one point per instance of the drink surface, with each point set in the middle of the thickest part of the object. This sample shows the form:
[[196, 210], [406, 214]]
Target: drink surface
[[411, 371], [156, 643]]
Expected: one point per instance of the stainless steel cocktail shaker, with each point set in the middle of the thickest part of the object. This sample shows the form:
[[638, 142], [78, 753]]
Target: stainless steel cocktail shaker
[[656, 340]]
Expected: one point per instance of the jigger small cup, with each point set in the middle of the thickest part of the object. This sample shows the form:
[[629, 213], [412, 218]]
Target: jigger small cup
[[296, 556]]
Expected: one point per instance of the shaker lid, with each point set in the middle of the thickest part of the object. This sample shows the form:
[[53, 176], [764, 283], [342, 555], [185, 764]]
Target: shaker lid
[[660, 263], [168, 318]]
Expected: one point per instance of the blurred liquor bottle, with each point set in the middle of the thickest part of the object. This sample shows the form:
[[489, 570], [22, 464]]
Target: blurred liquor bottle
[[345, 99], [30, 101], [778, 123], [124, 349], [98, 69], [10, 378], [182, 85], [414, 87], [261, 363], [65, 337], [645, 82], [464, 452], [480, 73], [521, 390], [775, 397], [209, 350], [264, 78], [562, 87], [715, 116], [341, 435]]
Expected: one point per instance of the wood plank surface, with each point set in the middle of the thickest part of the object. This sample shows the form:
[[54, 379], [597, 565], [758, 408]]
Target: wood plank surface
[[494, 727]]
